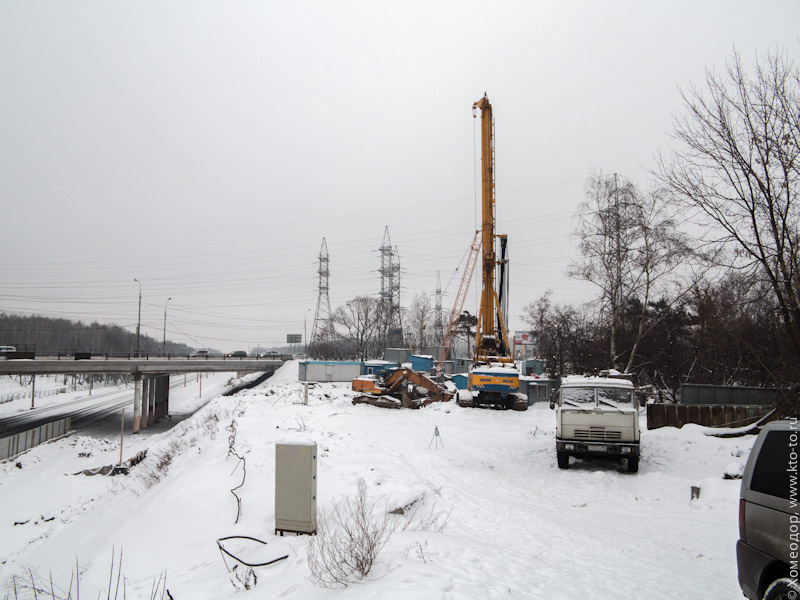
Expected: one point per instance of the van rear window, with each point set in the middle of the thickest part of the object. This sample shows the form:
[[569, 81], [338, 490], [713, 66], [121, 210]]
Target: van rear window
[[771, 472]]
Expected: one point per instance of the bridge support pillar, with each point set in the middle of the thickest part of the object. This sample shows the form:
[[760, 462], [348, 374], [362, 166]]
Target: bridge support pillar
[[137, 401], [164, 397], [151, 413], [146, 383], [154, 393]]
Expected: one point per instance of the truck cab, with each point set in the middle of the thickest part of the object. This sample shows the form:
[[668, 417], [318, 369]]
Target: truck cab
[[597, 417]]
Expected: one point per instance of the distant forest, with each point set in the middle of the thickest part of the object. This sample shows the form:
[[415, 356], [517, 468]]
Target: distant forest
[[46, 335]]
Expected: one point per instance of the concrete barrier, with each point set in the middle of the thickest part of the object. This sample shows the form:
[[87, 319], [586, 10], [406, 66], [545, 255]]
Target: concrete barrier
[[15, 444]]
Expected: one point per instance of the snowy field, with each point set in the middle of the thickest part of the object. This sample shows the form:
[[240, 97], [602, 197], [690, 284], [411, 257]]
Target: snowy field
[[517, 526]]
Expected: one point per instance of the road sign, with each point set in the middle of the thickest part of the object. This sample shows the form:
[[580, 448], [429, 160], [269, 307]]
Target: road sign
[[294, 338]]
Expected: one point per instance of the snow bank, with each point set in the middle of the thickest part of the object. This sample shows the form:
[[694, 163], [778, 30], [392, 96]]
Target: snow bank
[[516, 525]]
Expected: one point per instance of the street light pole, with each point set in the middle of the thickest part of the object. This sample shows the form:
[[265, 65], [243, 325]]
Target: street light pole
[[164, 342], [139, 320]]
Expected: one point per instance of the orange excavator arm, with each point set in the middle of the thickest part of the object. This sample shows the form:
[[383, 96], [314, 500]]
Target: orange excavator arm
[[437, 392]]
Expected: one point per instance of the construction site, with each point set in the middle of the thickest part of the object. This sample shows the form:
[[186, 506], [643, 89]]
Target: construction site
[[486, 375]]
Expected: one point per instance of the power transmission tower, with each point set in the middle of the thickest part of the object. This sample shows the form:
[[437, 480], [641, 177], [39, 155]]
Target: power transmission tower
[[323, 328], [438, 327], [392, 327], [386, 276], [396, 331]]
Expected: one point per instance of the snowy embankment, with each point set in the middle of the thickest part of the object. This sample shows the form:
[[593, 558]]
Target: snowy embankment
[[517, 526]]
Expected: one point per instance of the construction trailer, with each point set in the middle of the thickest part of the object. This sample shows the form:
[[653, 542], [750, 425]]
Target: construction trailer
[[532, 366], [374, 367], [536, 389], [422, 363]]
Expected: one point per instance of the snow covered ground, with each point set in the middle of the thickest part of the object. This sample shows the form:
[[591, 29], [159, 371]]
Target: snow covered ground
[[517, 526]]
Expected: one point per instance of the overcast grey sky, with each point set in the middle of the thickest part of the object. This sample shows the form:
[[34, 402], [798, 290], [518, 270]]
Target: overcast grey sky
[[205, 148]]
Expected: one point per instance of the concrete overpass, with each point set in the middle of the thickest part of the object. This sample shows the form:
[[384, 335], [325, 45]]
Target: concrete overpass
[[150, 376], [133, 366]]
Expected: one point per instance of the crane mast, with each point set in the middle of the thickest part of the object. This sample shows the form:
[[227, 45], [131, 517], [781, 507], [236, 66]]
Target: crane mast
[[493, 379], [491, 342]]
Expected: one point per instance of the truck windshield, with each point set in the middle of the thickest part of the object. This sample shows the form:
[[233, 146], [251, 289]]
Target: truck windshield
[[578, 395], [614, 396]]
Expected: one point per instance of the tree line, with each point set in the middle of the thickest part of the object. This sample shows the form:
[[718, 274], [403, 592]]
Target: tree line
[[46, 335]]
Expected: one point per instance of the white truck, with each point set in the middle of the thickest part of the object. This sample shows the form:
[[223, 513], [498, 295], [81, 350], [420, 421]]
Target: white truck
[[597, 417]]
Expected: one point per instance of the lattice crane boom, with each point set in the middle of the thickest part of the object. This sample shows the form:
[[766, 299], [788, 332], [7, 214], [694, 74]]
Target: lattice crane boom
[[461, 296]]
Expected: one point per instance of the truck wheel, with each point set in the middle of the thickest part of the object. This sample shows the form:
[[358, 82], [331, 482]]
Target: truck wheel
[[782, 589], [563, 460], [633, 464]]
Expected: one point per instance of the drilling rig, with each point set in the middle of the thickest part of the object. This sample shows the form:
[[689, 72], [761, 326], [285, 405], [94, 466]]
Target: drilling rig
[[493, 378]]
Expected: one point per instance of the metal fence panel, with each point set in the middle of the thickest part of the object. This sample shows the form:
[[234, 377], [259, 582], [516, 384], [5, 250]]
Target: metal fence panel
[[728, 395], [709, 415], [13, 445]]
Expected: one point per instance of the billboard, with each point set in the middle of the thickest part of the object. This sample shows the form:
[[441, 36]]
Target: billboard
[[524, 338]]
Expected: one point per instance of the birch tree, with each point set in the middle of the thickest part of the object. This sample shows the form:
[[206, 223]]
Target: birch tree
[[631, 249]]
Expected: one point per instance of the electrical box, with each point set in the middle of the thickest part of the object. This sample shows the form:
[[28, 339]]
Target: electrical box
[[295, 488]]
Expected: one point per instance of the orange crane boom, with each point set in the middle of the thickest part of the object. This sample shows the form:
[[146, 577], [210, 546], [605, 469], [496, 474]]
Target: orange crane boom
[[491, 340]]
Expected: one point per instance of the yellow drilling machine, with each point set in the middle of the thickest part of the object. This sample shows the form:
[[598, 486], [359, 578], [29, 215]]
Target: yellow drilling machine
[[493, 378]]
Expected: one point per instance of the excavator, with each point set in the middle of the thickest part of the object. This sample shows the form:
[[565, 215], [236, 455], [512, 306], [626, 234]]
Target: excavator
[[493, 377], [400, 387]]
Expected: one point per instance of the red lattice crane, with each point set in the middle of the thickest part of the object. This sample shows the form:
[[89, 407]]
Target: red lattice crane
[[458, 305]]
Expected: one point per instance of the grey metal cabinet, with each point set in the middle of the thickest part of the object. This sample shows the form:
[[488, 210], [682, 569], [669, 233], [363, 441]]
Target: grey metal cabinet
[[296, 488]]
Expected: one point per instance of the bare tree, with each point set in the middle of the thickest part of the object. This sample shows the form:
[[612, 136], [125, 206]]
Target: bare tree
[[631, 249], [419, 321], [537, 316], [566, 335], [738, 170], [358, 324]]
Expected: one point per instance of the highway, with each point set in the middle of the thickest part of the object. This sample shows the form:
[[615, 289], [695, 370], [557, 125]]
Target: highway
[[82, 410], [92, 408]]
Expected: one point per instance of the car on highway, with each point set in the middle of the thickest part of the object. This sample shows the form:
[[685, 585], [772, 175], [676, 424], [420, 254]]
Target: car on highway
[[200, 354], [768, 515], [237, 354]]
